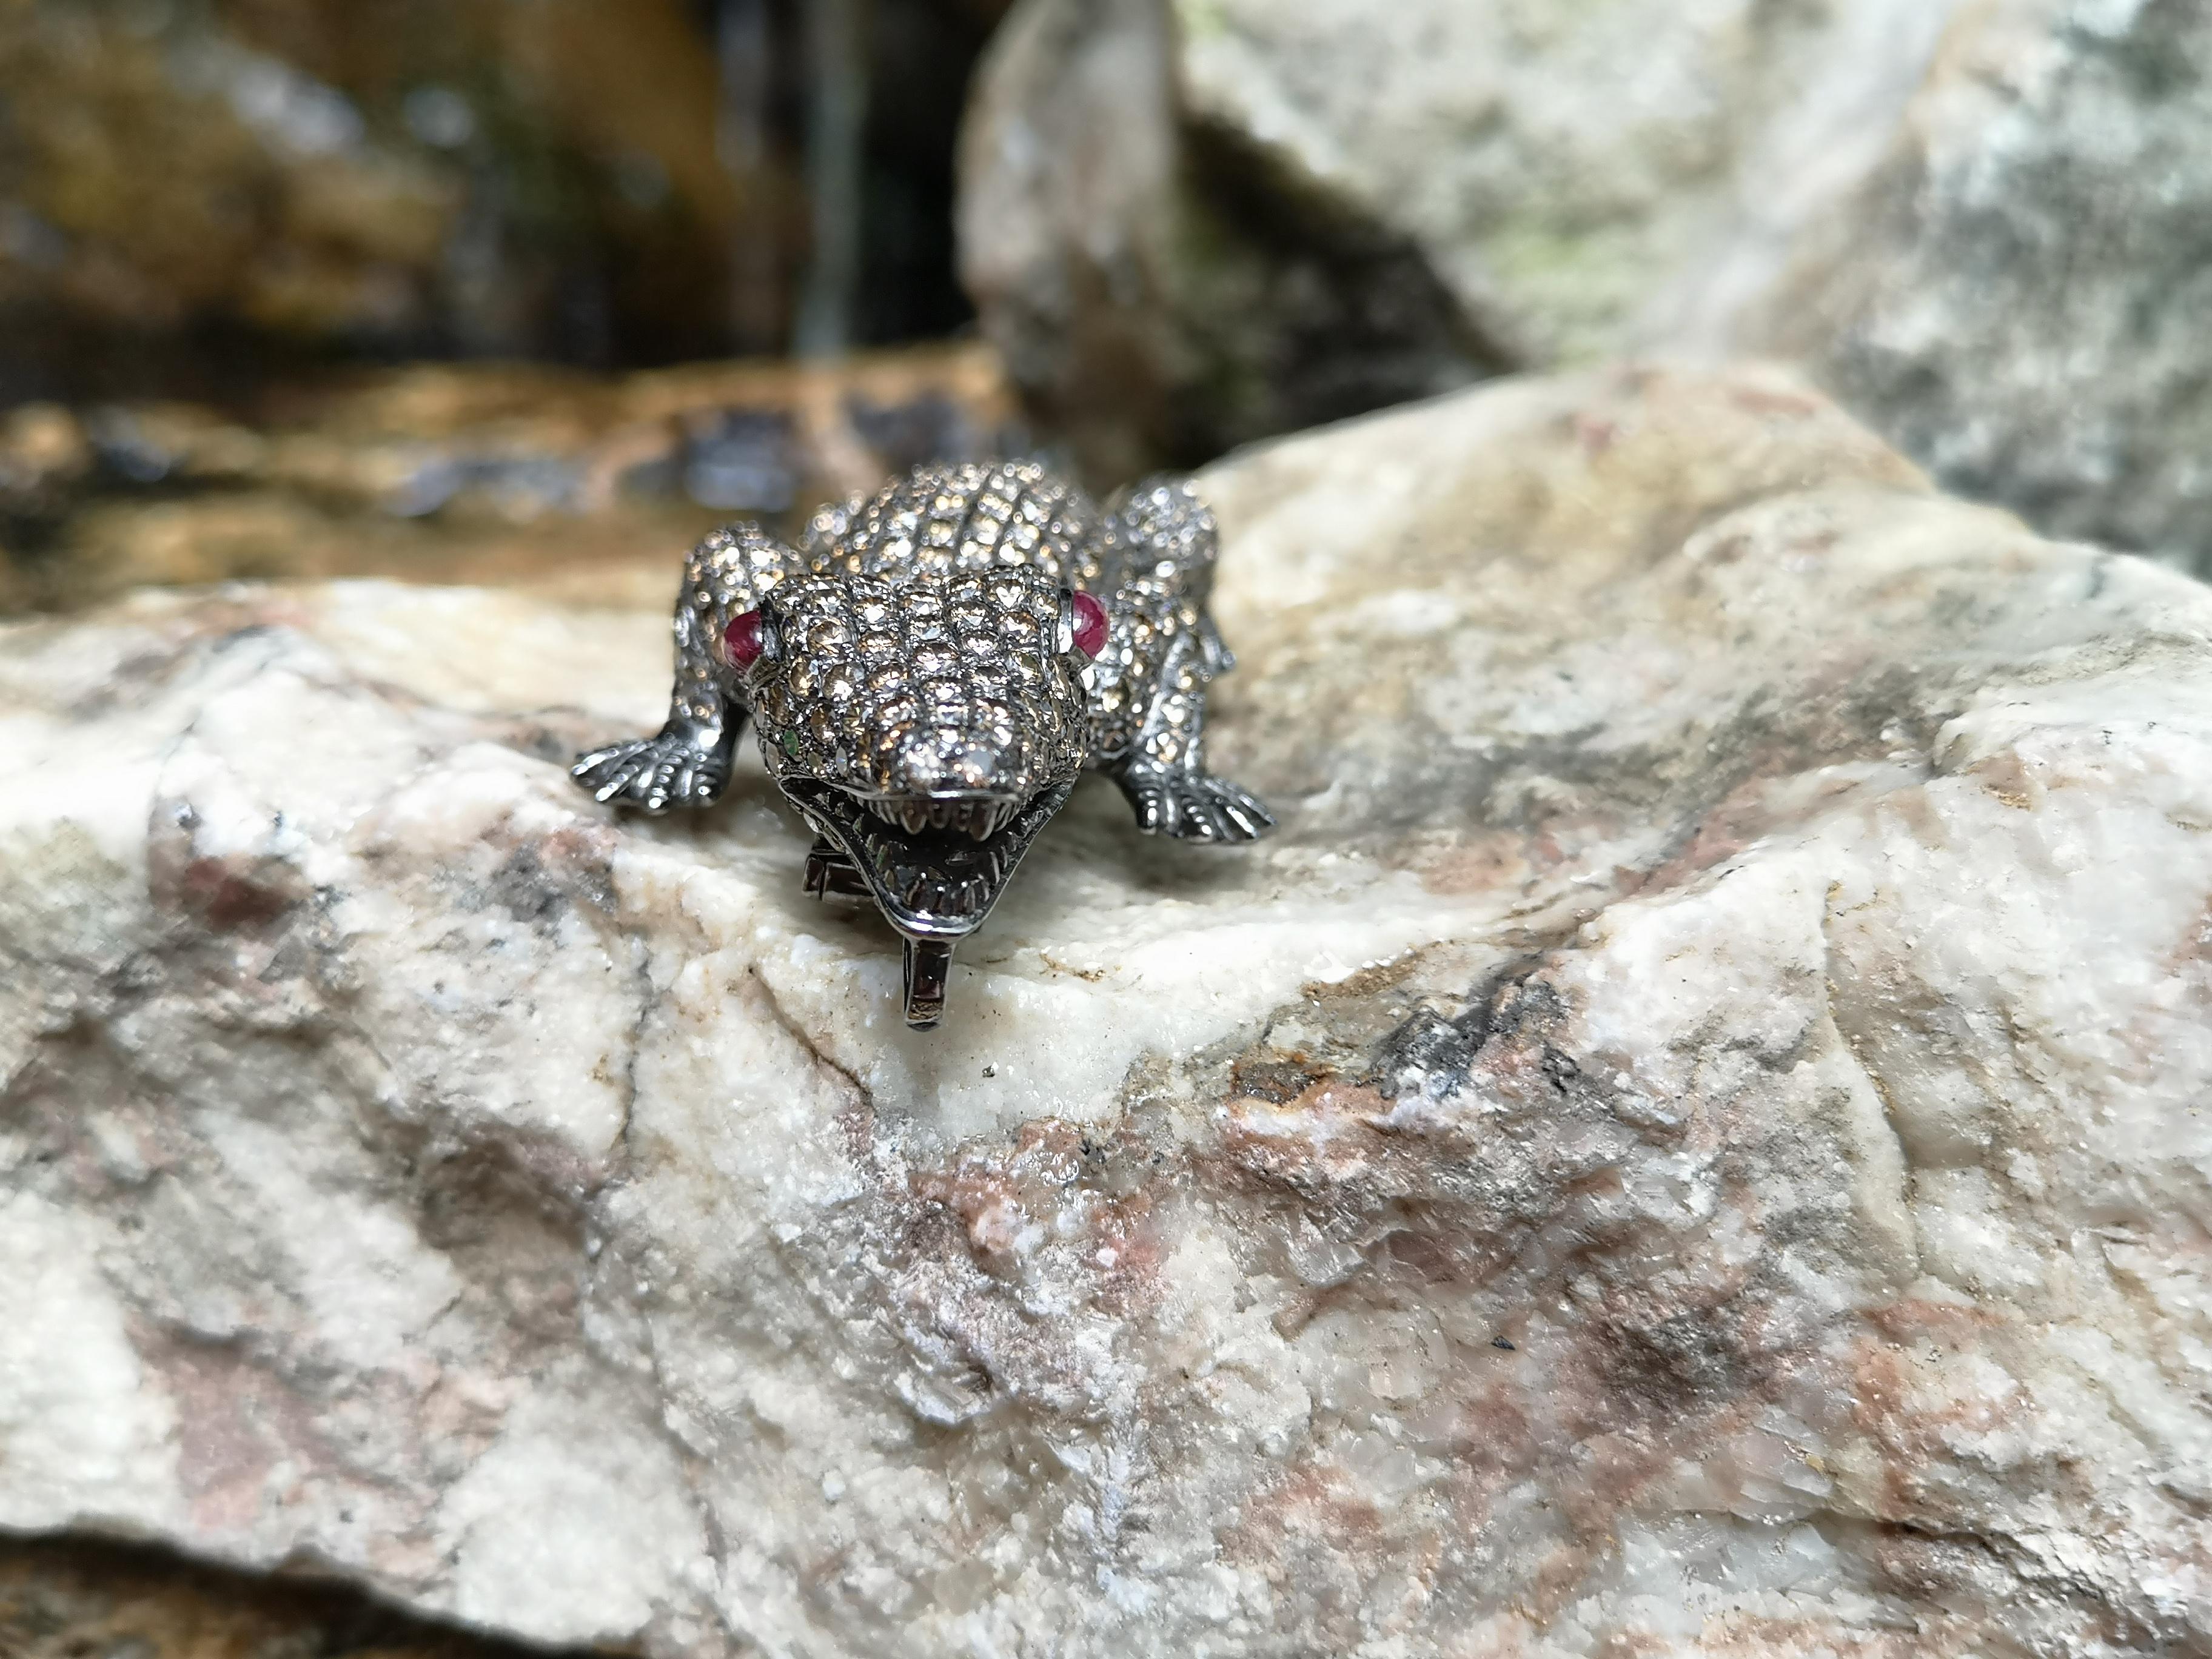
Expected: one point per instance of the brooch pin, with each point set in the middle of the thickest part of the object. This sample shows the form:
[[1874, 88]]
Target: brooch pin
[[930, 670]]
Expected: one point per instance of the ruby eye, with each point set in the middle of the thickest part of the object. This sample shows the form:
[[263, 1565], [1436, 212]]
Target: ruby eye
[[741, 641], [1090, 625]]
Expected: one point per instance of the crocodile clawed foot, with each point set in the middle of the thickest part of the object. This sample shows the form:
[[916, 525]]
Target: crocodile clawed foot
[[1193, 805], [672, 769]]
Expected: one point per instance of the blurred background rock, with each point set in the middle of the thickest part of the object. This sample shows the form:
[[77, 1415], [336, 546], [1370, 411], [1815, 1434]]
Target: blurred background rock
[[506, 472], [199, 191], [1985, 225], [299, 287], [225, 224]]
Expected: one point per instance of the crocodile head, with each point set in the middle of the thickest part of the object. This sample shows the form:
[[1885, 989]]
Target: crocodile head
[[926, 728]]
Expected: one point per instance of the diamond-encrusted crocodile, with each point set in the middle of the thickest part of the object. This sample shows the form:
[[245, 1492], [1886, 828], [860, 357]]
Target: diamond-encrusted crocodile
[[930, 670]]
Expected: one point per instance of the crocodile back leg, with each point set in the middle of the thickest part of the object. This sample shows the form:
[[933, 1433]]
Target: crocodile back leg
[[1159, 548]]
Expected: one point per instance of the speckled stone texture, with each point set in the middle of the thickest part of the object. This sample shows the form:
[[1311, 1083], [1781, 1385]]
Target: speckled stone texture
[[1192, 222], [1687, 1142], [2016, 294]]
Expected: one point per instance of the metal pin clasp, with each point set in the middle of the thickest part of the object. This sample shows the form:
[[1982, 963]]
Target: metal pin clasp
[[928, 965]]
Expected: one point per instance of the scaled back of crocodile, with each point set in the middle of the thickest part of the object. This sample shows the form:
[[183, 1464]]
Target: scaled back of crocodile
[[938, 520]]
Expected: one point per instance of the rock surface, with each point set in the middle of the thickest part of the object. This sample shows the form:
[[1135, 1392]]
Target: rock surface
[[1689, 1141], [2017, 295], [1979, 224]]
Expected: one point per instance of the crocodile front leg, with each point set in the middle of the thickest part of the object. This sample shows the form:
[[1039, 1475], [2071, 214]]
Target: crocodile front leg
[[687, 762], [1162, 651], [1164, 773]]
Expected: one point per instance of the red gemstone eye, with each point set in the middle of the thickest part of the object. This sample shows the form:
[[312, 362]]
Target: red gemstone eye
[[741, 641], [1090, 625]]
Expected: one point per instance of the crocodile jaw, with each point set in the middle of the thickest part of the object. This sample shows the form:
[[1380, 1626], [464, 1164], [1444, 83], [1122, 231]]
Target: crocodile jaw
[[939, 881]]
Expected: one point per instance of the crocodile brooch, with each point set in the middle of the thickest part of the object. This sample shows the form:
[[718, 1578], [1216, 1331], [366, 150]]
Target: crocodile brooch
[[930, 670]]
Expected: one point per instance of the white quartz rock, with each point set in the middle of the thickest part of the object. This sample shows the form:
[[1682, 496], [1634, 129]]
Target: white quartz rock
[[1689, 1141]]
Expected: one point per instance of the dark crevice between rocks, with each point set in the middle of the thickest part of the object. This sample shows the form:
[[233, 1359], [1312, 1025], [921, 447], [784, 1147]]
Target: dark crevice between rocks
[[1189, 288], [87, 1598], [1344, 314]]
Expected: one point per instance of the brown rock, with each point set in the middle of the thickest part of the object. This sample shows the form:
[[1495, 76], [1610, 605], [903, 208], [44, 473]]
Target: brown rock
[[467, 473], [217, 187]]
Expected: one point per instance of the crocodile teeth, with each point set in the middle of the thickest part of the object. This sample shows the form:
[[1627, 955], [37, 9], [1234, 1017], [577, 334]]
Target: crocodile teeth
[[980, 820]]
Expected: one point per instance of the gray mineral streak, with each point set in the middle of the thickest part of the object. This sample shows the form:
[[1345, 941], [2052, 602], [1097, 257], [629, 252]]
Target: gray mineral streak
[[1689, 1140]]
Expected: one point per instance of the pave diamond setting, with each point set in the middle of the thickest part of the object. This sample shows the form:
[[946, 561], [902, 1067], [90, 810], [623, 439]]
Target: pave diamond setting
[[928, 672]]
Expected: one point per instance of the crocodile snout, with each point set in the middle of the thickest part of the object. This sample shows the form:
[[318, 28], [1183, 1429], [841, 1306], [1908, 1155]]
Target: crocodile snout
[[967, 761]]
